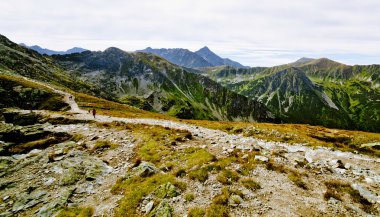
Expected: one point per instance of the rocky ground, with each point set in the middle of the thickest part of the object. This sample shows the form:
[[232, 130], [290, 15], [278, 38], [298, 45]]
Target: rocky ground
[[56, 163]]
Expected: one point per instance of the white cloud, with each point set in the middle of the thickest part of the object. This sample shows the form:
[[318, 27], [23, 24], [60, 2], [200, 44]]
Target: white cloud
[[347, 30]]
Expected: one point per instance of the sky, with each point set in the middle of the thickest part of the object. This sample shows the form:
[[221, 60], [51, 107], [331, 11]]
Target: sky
[[253, 32]]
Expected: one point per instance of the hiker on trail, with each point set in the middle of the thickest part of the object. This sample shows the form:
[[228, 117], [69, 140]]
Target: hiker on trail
[[70, 97], [94, 112]]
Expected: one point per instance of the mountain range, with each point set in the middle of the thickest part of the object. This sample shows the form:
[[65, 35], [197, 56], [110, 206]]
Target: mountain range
[[201, 58], [140, 79], [311, 91], [49, 52], [308, 91]]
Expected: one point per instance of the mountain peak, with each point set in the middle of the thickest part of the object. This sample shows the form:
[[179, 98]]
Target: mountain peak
[[113, 50], [302, 61], [205, 48]]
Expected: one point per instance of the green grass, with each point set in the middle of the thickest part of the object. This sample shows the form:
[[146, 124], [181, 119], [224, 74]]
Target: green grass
[[76, 212], [200, 174], [134, 189], [196, 212], [104, 144], [189, 197], [250, 184], [228, 177]]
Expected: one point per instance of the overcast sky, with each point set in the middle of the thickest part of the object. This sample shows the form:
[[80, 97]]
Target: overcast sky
[[253, 32]]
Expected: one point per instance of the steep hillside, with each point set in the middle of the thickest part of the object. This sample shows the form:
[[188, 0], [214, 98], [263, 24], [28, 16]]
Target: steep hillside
[[295, 98], [153, 83], [333, 94], [23, 61]]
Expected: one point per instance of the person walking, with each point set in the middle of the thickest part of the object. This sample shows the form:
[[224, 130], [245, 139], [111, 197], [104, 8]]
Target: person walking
[[94, 112]]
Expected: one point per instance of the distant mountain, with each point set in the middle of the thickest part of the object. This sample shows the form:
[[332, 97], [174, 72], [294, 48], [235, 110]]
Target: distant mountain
[[302, 61], [152, 83], [186, 58], [179, 56], [41, 50], [216, 60], [314, 91]]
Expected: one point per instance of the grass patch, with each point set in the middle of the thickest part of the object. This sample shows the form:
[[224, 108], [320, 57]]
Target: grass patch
[[77, 137], [180, 173], [189, 197], [227, 177], [155, 143], [196, 212], [296, 178], [197, 156], [134, 189], [216, 210], [200, 174], [270, 165], [250, 184], [76, 212], [104, 144]]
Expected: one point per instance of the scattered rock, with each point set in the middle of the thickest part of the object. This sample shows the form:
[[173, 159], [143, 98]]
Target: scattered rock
[[261, 158]]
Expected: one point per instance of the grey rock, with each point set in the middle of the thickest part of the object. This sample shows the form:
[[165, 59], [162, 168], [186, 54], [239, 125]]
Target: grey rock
[[162, 210], [53, 207], [167, 190], [145, 169], [25, 200], [261, 158], [371, 197], [149, 207]]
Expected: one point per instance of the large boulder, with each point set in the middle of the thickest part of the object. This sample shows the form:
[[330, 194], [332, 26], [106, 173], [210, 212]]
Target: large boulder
[[145, 169]]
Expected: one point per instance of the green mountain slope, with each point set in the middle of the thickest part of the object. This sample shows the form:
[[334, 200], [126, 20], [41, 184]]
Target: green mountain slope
[[26, 62], [153, 83], [313, 91]]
